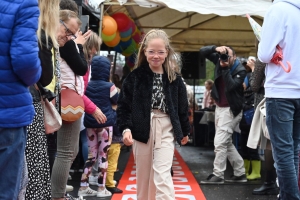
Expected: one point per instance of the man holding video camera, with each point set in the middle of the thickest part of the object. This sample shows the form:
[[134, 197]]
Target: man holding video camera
[[227, 92]]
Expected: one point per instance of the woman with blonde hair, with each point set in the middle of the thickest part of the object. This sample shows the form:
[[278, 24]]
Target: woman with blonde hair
[[36, 148], [152, 115]]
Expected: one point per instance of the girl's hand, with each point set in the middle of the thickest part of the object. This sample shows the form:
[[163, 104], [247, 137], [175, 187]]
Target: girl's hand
[[127, 138], [99, 116], [184, 140]]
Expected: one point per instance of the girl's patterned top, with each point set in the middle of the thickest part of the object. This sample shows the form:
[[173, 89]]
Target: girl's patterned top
[[158, 97]]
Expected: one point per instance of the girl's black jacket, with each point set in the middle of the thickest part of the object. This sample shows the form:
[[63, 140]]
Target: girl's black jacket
[[134, 104]]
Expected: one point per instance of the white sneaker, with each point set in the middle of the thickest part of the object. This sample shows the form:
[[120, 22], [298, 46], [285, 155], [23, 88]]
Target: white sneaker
[[93, 180], [87, 192], [69, 188], [103, 193]]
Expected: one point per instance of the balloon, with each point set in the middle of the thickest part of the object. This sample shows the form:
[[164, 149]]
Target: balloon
[[109, 25], [137, 37], [126, 39], [127, 33], [122, 21], [118, 48], [108, 38], [125, 44], [114, 42], [131, 49]]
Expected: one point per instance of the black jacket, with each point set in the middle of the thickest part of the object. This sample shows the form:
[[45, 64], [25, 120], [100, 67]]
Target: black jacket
[[233, 81], [134, 104]]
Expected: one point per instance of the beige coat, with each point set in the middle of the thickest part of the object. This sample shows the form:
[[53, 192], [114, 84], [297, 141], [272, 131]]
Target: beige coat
[[259, 133]]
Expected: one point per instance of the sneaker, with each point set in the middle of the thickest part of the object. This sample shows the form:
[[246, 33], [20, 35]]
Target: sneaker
[[87, 192], [213, 179], [103, 193], [69, 188], [93, 180], [114, 190], [237, 179]]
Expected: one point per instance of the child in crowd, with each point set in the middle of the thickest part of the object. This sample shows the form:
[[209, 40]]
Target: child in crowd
[[104, 94], [208, 101]]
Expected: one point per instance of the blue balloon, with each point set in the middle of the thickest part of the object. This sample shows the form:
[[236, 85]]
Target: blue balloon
[[127, 33]]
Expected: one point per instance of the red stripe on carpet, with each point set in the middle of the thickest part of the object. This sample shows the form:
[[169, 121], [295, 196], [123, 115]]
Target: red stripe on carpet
[[185, 184]]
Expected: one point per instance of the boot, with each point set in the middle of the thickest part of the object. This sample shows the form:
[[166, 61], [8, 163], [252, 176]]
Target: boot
[[247, 166], [268, 188], [255, 173]]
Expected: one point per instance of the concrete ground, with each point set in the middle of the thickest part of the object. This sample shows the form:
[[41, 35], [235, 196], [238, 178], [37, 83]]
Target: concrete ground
[[200, 162]]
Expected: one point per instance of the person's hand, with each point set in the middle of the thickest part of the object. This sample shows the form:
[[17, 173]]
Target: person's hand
[[81, 38], [222, 49], [184, 140], [251, 64], [127, 138], [99, 116]]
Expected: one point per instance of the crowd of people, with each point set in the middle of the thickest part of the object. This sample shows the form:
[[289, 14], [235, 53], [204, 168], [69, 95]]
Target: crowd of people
[[150, 110], [43, 58]]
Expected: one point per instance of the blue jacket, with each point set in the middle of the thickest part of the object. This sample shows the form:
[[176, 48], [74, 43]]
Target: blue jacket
[[99, 92], [19, 61]]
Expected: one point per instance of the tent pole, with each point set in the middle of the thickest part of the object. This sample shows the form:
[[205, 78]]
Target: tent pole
[[101, 18]]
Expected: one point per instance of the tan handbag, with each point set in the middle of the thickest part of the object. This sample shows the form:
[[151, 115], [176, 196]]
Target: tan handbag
[[52, 119]]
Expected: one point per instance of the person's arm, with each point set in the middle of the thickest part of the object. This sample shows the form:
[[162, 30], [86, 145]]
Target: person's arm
[[125, 103], [233, 83], [114, 94], [24, 46], [91, 108], [257, 77], [75, 60], [272, 33], [210, 53], [45, 55], [183, 108]]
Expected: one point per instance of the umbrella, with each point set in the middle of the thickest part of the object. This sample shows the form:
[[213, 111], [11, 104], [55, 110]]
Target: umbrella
[[278, 56]]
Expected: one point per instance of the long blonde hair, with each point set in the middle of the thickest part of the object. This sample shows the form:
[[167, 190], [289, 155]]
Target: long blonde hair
[[170, 64], [48, 20], [94, 41]]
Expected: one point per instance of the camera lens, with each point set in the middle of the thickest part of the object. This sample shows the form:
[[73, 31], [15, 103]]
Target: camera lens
[[224, 57]]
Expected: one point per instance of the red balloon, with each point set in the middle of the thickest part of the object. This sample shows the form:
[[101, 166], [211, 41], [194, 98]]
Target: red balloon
[[122, 21]]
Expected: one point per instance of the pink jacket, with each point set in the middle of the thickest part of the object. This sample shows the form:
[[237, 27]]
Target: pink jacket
[[90, 107]]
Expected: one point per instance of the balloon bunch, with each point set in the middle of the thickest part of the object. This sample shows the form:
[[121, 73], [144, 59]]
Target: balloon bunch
[[121, 33]]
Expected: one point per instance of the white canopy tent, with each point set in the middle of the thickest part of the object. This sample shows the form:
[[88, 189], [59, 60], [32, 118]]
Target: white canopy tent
[[192, 24]]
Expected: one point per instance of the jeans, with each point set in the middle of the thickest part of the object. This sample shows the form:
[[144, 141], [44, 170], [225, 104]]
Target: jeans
[[84, 145], [12, 151], [283, 122]]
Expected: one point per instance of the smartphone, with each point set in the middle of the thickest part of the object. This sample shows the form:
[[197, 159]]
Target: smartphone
[[85, 23]]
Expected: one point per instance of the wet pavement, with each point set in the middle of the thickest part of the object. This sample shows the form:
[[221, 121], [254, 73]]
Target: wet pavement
[[200, 162]]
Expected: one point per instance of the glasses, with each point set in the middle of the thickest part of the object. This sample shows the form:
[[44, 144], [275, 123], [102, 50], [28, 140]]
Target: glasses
[[159, 53], [68, 32]]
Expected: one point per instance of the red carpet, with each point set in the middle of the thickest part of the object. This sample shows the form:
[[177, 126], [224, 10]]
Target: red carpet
[[186, 186]]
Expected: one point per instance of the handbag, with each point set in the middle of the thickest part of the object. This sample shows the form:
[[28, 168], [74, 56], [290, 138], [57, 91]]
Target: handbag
[[248, 115], [52, 119], [72, 105]]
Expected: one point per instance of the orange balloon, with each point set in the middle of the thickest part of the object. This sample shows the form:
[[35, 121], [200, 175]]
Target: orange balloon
[[115, 41], [109, 25]]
